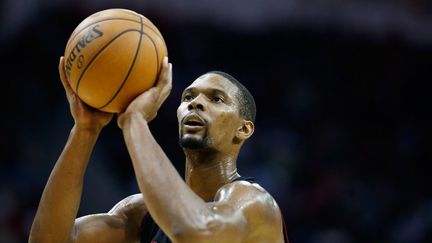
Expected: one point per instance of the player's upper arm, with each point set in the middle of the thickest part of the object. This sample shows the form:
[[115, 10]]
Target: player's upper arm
[[242, 211], [121, 224]]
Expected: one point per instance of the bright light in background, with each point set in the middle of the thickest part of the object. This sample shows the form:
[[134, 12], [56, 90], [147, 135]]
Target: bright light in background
[[408, 19]]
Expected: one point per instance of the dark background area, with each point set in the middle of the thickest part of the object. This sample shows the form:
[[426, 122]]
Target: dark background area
[[342, 135]]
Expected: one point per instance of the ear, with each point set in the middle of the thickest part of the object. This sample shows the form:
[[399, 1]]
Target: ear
[[245, 130]]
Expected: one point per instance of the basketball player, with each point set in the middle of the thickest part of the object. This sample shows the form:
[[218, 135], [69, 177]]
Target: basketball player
[[213, 204]]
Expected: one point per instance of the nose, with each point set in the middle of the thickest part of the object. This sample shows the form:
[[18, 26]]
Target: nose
[[196, 104]]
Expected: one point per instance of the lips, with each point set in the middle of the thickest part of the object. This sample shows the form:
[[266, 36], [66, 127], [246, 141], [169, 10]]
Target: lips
[[193, 120]]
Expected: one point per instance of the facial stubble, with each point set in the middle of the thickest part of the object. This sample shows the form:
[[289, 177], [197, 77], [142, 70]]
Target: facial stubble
[[194, 141]]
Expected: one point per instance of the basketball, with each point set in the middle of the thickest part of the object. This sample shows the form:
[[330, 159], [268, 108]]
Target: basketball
[[112, 56]]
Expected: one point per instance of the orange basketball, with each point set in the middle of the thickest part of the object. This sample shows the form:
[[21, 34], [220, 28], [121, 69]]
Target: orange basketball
[[113, 56]]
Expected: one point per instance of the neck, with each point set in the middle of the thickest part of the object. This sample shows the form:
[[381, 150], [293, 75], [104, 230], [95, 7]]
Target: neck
[[207, 172]]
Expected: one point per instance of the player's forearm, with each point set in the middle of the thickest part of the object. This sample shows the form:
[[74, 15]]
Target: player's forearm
[[169, 200], [60, 200]]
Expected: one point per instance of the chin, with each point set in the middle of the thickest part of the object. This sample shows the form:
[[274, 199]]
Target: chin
[[193, 141]]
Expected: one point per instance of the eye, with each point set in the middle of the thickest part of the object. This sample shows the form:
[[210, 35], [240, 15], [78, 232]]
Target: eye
[[217, 99], [187, 97]]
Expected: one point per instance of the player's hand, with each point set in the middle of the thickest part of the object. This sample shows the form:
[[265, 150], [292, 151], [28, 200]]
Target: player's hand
[[83, 115], [149, 102]]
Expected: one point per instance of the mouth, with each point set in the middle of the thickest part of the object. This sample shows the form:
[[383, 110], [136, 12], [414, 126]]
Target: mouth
[[193, 124], [193, 121]]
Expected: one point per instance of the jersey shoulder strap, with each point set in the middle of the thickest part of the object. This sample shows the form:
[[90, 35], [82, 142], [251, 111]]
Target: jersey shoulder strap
[[148, 229], [285, 231]]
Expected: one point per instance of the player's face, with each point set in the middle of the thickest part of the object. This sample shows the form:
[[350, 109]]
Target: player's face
[[208, 114]]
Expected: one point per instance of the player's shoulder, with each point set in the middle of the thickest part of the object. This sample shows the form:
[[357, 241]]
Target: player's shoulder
[[121, 224], [129, 203], [251, 198], [246, 189]]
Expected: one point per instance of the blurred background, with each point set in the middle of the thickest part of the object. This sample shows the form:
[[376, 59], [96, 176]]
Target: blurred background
[[342, 133]]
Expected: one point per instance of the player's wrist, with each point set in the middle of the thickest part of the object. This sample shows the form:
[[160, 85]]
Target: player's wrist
[[128, 116], [88, 128]]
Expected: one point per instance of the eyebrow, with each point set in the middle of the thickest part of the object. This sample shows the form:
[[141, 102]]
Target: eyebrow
[[211, 90], [188, 90]]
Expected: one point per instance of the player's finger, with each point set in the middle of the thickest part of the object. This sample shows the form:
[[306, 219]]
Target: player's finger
[[63, 77], [166, 89], [164, 75]]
